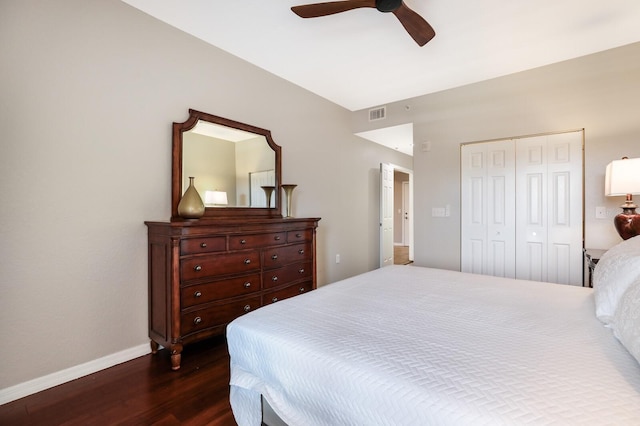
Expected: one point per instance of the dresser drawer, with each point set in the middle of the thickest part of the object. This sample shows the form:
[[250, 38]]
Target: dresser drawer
[[287, 274], [284, 293], [221, 289], [218, 264], [211, 316], [249, 241], [299, 235], [275, 257], [203, 245]]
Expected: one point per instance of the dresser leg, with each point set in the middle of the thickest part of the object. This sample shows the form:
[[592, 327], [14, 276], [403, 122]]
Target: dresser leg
[[176, 356], [175, 360], [154, 347]]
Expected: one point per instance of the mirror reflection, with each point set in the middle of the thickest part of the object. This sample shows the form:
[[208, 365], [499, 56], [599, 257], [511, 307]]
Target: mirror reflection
[[230, 166]]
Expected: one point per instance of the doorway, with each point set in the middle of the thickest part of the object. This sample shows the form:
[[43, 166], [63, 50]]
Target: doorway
[[396, 215]]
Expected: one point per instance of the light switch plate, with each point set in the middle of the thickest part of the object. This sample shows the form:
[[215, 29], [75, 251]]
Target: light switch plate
[[438, 212]]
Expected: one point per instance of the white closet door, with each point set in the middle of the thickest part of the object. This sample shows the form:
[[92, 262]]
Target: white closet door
[[549, 208], [522, 208], [566, 212], [256, 181], [501, 209], [473, 208], [488, 208], [531, 209]]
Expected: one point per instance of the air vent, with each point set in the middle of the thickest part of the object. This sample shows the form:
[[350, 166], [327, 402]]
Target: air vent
[[378, 113]]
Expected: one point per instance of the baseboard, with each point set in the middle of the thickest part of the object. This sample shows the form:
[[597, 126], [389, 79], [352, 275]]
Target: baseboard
[[54, 379]]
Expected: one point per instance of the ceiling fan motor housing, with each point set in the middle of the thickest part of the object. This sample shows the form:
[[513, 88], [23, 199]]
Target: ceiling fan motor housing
[[388, 5]]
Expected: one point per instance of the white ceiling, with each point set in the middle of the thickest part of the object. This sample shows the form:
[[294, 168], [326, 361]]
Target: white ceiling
[[364, 58], [398, 137]]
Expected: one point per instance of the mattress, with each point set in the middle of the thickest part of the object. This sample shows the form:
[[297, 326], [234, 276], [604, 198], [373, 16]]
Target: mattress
[[406, 345]]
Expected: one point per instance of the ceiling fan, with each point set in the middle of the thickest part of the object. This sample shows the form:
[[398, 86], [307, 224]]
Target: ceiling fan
[[416, 26]]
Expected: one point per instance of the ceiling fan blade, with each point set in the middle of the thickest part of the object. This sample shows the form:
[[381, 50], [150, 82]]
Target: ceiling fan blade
[[329, 8], [416, 26]]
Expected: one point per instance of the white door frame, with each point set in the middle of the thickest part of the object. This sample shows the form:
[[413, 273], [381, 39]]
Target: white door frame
[[409, 242], [406, 227]]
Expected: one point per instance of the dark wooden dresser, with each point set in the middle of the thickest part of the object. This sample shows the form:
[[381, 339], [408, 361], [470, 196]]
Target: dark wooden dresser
[[204, 274]]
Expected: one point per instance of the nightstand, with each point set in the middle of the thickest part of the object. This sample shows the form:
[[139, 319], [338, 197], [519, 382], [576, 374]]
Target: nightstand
[[592, 256]]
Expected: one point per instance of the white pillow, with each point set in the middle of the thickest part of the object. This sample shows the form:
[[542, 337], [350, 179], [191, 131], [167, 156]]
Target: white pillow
[[616, 270], [626, 321]]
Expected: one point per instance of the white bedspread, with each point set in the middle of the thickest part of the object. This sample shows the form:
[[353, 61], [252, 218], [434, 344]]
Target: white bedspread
[[405, 345]]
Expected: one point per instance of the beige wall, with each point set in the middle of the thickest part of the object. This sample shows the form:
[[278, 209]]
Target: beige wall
[[89, 92], [599, 93], [212, 164]]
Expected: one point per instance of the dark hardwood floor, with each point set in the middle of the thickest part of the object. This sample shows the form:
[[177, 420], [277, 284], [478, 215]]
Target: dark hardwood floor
[[143, 391]]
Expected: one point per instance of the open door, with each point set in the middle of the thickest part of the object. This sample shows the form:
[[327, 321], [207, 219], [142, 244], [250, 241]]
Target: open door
[[386, 214]]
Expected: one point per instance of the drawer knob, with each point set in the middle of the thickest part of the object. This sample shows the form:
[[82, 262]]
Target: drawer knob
[[301, 270], [247, 308], [197, 294], [197, 268], [197, 320], [247, 261], [274, 279], [203, 245], [301, 251], [274, 300], [274, 257], [277, 237], [247, 284], [298, 235], [243, 241], [301, 289]]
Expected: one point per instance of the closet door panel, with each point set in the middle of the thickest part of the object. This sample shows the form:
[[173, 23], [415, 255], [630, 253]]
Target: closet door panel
[[487, 208], [473, 210], [565, 226], [531, 209], [498, 266], [475, 260], [501, 260], [559, 260], [534, 266]]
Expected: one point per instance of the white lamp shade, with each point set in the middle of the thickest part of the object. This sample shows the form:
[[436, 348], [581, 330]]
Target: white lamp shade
[[215, 197], [622, 177]]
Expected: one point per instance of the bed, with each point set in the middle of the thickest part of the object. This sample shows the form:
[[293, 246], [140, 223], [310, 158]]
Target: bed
[[407, 345]]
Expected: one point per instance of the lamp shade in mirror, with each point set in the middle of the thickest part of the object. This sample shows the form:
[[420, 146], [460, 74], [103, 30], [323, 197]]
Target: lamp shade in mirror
[[215, 198]]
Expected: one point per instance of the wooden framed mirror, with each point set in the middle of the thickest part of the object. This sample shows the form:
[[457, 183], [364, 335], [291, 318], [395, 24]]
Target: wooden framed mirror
[[228, 159]]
